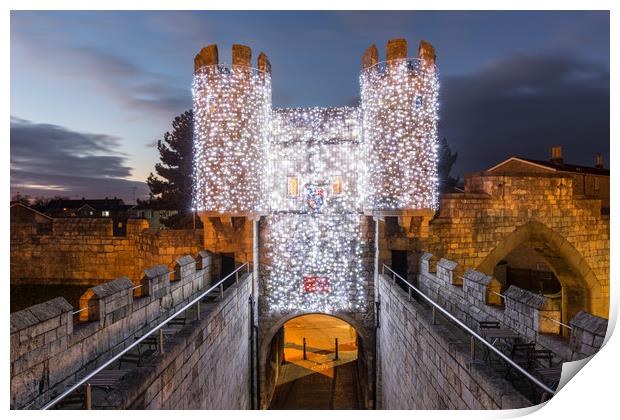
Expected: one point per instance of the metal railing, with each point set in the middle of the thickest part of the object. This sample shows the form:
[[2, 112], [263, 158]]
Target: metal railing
[[557, 322], [499, 294], [474, 335], [219, 284]]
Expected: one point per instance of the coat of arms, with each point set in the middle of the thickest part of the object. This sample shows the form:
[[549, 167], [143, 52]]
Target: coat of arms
[[315, 198]]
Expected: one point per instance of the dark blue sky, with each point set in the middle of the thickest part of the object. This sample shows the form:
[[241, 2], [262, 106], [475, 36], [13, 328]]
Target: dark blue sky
[[92, 91]]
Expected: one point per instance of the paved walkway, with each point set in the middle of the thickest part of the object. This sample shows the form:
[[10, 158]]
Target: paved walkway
[[318, 391]]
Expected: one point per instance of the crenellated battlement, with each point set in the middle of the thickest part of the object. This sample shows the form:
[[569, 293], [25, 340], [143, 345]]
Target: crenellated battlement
[[479, 297], [241, 58], [52, 344]]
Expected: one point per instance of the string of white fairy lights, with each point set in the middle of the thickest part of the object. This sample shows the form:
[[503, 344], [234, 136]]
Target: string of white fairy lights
[[315, 171], [232, 108], [400, 113]]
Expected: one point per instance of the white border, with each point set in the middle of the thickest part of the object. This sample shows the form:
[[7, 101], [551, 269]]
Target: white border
[[592, 395]]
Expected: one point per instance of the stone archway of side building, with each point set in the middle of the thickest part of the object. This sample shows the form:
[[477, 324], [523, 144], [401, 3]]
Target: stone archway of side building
[[268, 337], [581, 290]]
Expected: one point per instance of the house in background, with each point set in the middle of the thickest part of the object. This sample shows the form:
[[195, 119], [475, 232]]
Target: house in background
[[589, 181], [107, 207], [152, 211], [114, 208]]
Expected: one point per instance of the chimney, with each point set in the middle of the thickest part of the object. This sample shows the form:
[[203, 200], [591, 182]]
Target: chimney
[[599, 162], [556, 155]]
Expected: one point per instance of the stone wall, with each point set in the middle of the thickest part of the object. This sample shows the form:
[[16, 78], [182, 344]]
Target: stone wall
[[85, 251], [49, 350], [423, 366], [207, 366], [473, 298], [498, 213], [587, 334]]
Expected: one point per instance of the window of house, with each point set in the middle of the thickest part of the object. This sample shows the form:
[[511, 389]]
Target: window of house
[[292, 186], [337, 185], [597, 185], [105, 213]]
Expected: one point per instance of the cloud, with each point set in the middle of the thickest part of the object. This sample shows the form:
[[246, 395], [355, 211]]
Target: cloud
[[134, 87], [525, 104], [49, 160]]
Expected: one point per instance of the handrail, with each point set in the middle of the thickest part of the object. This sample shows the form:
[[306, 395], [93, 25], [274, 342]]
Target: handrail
[[557, 322], [139, 340], [473, 333], [499, 294]]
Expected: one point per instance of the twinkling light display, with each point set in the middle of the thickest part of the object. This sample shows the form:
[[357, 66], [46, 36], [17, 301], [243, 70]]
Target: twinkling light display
[[314, 172], [327, 246], [318, 148], [232, 109], [314, 183], [399, 101]]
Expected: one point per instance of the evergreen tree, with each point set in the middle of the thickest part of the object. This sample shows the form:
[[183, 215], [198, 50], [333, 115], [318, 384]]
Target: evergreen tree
[[445, 161], [172, 186]]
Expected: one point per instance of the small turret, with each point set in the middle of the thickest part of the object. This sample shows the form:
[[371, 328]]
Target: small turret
[[208, 56], [232, 108], [264, 64], [241, 55], [426, 53], [399, 114], [370, 57], [396, 49]]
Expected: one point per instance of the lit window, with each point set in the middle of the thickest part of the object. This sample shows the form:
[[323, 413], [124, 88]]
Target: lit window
[[337, 185], [105, 213], [293, 186]]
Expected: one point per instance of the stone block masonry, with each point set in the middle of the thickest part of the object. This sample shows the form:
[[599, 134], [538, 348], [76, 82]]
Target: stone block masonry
[[49, 352], [425, 367], [80, 251], [526, 313], [206, 366], [499, 212], [587, 334]]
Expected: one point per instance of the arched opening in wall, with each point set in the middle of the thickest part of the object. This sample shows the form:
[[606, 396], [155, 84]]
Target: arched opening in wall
[[313, 364], [538, 259], [525, 268]]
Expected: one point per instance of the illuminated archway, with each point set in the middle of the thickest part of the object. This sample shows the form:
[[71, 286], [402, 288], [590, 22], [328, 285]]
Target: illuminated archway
[[286, 363], [581, 290]]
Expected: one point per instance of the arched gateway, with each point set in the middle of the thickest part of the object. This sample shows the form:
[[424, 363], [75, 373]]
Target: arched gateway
[[314, 361]]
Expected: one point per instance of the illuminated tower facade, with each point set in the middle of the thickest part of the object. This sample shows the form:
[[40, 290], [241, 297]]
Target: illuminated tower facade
[[232, 110], [232, 113], [399, 109], [306, 194]]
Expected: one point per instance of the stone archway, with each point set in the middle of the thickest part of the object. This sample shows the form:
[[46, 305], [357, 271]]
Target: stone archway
[[581, 290], [266, 350]]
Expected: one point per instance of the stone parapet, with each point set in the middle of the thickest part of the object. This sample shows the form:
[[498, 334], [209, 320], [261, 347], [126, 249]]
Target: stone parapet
[[532, 316], [205, 366], [425, 366], [587, 334], [50, 350]]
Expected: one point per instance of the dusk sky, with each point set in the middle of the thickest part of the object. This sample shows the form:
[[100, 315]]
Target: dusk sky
[[91, 92]]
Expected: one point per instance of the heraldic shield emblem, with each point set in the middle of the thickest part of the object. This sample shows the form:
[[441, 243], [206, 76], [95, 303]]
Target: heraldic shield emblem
[[315, 198]]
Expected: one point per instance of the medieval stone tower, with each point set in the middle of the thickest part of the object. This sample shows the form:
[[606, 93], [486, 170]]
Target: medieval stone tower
[[301, 192]]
